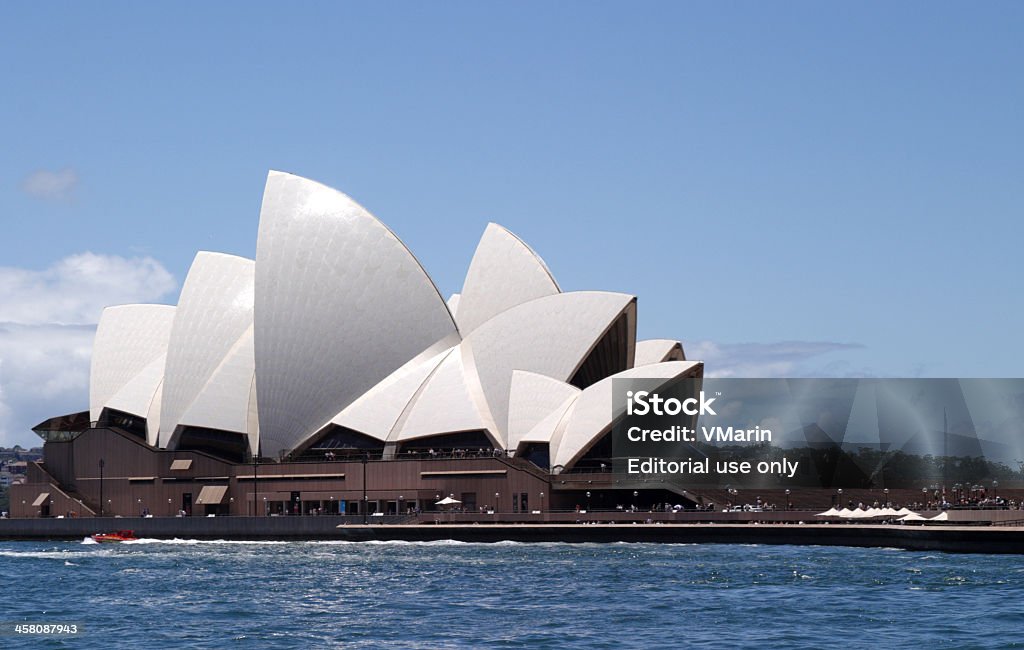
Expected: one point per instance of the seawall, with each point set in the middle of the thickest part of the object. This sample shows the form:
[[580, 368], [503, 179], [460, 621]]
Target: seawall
[[954, 539]]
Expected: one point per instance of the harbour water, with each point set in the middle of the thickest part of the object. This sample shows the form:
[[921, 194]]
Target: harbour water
[[191, 594]]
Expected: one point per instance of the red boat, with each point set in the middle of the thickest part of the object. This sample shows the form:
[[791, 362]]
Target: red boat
[[118, 536]]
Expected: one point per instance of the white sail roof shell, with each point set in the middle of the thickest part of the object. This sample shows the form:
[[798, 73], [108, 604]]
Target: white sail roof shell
[[553, 424], [224, 402], [550, 336], [594, 411], [214, 311], [153, 415], [336, 322], [341, 303], [253, 421], [504, 272], [128, 338], [141, 396], [448, 402], [376, 411], [453, 305], [533, 398], [658, 350]]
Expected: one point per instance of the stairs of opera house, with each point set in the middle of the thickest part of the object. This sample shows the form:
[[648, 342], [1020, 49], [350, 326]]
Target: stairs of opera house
[[88, 506]]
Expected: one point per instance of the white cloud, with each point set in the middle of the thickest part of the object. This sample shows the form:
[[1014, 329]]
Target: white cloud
[[44, 371], [76, 289], [57, 186], [47, 322], [782, 359]]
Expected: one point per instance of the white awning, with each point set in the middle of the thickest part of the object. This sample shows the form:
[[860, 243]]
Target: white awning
[[212, 495], [913, 516]]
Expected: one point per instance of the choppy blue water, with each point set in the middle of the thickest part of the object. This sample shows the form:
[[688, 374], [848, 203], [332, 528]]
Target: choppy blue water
[[447, 594]]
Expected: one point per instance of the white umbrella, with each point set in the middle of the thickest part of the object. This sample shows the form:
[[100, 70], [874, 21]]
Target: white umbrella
[[942, 516], [859, 514], [904, 511], [831, 512], [447, 501], [889, 512], [845, 512]]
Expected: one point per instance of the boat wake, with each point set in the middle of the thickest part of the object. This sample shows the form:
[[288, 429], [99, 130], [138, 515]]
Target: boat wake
[[177, 541], [49, 555]]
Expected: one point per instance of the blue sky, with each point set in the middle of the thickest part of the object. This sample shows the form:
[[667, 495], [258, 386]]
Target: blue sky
[[790, 188]]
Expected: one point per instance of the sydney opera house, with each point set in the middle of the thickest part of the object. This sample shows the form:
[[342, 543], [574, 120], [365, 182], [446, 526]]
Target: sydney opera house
[[329, 375]]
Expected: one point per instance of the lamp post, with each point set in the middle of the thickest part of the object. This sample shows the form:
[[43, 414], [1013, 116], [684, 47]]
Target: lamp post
[[400, 500], [541, 503], [924, 496], [886, 491], [588, 501], [636, 493], [497, 499], [839, 499], [102, 463], [170, 513], [366, 457], [995, 486], [264, 506], [789, 504], [255, 480]]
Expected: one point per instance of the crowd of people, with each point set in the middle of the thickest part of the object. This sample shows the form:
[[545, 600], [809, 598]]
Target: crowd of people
[[352, 454]]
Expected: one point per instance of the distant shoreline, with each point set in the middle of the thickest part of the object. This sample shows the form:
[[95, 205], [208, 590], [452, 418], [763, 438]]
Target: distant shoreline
[[952, 539]]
